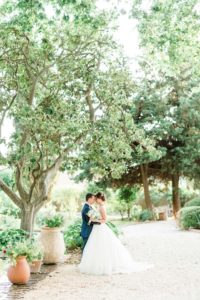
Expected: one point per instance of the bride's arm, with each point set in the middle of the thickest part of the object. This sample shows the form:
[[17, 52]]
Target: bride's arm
[[103, 214]]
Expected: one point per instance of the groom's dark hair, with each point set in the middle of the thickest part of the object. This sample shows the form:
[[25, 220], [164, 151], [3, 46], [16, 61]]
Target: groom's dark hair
[[88, 196]]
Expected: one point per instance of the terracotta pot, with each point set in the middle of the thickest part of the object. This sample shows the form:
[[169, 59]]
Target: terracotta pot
[[20, 273], [53, 244], [162, 216], [35, 266]]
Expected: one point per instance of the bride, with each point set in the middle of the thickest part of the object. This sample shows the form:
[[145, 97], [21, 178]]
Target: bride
[[104, 254]]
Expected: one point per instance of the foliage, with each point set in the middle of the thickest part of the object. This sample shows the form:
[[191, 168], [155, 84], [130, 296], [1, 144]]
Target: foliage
[[146, 215], [12, 236], [76, 105], [187, 195], [120, 208], [189, 217], [54, 220], [193, 202], [168, 92], [7, 177], [9, 222], [157, 106], [37, 251], [126, 197], [18, 249], [136, 212], [94, 188], [52, 88], [7, 207], [72, 236], [159, 193], [47, 210], [66, 200], [127, 194]]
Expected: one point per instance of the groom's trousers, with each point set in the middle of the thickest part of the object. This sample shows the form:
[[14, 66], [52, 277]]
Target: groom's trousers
[[84, 242]]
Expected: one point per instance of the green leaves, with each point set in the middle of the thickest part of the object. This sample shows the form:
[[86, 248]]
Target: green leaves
[[166, 104], [52, 221], [11, 237]]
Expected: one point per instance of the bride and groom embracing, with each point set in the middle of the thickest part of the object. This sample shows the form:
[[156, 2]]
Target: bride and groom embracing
[[103, 253]]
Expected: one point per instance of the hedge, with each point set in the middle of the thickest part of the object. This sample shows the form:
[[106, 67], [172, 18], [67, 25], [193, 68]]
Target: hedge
[[189, 217]]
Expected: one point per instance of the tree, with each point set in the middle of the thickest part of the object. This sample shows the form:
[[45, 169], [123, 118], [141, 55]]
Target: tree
[[66, 200], [126, 197], [163, 105], [117, 143], [168, 102], [47, 79]]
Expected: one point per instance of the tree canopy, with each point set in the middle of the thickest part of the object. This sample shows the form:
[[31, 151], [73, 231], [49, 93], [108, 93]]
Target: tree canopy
[[164, 103], [51, 74], [76, 105]]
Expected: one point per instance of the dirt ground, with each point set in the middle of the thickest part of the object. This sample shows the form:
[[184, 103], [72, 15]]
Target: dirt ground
[[175, 275]]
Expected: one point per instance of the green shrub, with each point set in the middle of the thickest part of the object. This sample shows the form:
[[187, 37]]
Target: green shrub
[[72, 236], [136, 211], [23, 248], [193, 202], [189, 217], [146, 215], [52, 221], [8, 222], [11, 237], [11, 211], [7, 207]]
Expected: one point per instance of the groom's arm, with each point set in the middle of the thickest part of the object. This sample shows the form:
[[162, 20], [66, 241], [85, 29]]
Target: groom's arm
[[95, 223], [84, 214]]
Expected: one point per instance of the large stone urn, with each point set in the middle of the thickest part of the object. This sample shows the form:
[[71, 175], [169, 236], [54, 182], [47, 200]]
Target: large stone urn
[[53, 244]]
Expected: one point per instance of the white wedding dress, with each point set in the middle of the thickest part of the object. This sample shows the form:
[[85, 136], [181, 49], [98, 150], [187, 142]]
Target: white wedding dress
[[104, 254]]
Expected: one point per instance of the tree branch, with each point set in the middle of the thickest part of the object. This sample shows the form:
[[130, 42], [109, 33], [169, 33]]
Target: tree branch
[[21, 190], [10, 194], [88, 98]]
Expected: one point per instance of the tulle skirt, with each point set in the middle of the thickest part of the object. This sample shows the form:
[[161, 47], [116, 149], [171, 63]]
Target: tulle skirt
[[104, 254]]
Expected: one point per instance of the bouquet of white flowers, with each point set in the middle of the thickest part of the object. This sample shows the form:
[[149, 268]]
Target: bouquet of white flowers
[[93, 215]]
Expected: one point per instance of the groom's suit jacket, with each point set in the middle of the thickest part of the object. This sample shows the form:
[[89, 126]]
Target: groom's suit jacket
[[85, 228]]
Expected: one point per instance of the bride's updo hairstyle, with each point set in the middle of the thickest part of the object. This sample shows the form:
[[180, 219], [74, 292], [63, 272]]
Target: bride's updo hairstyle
[[101, 196]]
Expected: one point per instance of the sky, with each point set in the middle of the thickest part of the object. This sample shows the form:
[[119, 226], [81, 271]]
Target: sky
[[126, 34]]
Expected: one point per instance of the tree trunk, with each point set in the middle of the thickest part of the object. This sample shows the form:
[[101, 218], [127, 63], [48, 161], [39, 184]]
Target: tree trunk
[[144, 173], [175, 194], [129, 213], [28, 218], [122, 215]]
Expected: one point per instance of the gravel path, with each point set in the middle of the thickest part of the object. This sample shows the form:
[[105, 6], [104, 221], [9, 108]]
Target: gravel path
[[175, 276]]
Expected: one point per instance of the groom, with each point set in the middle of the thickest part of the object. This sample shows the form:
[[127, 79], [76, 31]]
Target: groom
[[86, 228]]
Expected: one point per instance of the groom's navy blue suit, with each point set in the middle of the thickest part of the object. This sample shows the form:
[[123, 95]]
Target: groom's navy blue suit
[[85, 228]]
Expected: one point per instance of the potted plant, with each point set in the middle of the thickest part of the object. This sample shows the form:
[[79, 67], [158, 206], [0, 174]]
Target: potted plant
[[37, 257], [19, 256], [52, 239]]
